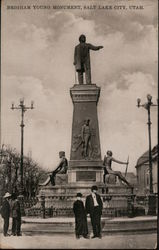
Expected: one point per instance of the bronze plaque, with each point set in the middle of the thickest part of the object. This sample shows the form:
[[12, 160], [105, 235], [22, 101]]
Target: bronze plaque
[[86, 176]]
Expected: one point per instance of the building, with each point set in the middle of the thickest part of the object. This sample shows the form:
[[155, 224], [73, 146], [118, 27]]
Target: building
[[143, 174]]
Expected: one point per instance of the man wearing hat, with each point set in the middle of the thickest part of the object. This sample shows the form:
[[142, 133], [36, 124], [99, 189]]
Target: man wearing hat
[[82, 59], [16, 216], [5, 212], [94, 206], [61, 168], [81, 228]]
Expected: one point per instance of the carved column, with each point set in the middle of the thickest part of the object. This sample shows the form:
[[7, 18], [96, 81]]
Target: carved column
[[86, 168]]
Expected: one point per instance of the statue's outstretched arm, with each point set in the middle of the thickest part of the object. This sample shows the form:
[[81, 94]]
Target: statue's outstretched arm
[[92, 47], [120, 162]]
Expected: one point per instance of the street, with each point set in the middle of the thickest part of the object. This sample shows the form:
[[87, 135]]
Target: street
[[68, 241]]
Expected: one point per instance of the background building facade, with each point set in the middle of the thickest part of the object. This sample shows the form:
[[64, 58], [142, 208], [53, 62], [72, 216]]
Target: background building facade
[[143, 175]]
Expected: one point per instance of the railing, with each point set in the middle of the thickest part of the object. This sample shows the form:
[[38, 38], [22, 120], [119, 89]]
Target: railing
[[61, 205], [29, 202]]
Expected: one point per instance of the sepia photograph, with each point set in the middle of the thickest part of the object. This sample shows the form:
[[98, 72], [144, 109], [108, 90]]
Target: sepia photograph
[[79, 124]]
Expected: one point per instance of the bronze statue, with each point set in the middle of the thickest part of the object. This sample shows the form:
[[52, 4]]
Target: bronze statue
[[82, 59], [108, 169], [61, 168]]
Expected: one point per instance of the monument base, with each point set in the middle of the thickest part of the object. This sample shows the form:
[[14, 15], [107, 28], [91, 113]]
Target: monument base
[[58, 200]]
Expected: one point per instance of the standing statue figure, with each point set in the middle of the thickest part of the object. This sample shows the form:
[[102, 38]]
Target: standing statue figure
[[61, 168], [108, 169], [86, 138], [82, 59]]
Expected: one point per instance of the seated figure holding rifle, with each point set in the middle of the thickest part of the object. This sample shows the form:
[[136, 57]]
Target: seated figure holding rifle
[[61, 168], [108, 169]]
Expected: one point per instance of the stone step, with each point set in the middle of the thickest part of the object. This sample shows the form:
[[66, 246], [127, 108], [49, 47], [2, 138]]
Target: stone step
[[109, 226]]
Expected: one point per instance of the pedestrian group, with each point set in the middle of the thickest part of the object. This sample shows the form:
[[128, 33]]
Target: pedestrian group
[[11, 207], [93, 207]]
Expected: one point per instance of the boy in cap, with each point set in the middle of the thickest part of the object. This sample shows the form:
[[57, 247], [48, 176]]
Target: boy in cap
[[81, 228], [5, 212], [94, 206]]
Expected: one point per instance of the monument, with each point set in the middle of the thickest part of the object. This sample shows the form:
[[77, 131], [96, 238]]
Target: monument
[[85, 159], [85, 167]]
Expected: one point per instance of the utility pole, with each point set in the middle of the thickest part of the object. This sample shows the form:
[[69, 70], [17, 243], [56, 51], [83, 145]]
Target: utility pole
[[23, 108], [148, 106]]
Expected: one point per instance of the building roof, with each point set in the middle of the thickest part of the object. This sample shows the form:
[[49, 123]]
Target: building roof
[[145, 157]]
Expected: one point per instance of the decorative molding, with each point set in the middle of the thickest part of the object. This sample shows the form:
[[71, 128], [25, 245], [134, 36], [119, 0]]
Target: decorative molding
[[85, 93]]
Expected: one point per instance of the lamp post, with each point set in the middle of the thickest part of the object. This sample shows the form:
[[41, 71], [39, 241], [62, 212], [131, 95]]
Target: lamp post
[[147, 106], [23, 108]]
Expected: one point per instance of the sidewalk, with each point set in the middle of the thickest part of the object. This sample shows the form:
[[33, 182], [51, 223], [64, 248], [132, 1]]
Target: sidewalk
[[41, 233]]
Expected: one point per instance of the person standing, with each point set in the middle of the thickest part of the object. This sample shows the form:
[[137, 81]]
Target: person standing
[[82, 59], [94, 206], [16, 216], [5, 212], [81, 228]]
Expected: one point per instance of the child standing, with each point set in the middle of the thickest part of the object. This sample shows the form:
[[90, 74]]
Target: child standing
[[81, 228]]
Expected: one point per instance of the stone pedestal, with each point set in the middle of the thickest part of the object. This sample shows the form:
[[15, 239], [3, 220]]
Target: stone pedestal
[[58, 200], [82, 167]]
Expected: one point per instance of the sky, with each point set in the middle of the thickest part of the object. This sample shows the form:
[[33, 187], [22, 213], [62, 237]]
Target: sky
[[37, 48]]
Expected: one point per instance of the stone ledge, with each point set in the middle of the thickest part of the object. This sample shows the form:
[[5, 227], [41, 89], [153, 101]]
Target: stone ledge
[[67, 225], [71, 219]]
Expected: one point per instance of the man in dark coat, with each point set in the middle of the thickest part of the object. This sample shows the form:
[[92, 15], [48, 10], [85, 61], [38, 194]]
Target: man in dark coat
[[81, 228], [82, 59], [94, 206], [16, 216], [5, 212]]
